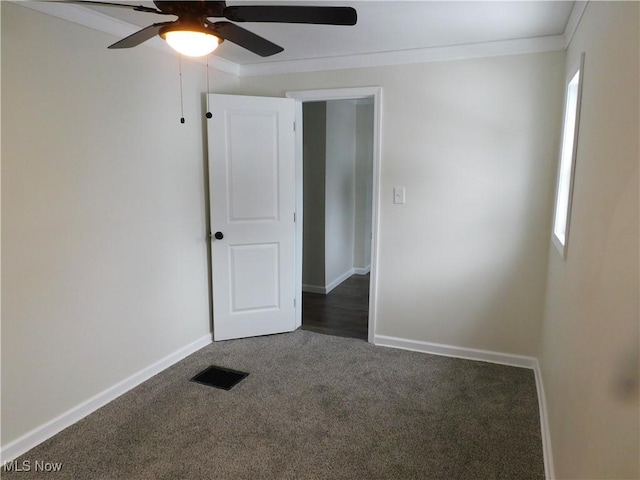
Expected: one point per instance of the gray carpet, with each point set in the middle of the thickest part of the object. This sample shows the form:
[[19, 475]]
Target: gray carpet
[[313, 407]]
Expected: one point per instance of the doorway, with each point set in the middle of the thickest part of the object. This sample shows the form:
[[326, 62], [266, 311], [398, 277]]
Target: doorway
[[337, 247]]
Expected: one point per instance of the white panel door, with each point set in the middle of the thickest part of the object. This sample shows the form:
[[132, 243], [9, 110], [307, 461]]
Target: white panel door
[[252, 193]]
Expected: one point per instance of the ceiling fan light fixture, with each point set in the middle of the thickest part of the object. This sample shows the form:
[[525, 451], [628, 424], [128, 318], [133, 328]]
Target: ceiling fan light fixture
[[191, 42]]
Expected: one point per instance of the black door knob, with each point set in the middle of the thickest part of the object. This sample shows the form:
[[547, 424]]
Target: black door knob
[[218, 235]]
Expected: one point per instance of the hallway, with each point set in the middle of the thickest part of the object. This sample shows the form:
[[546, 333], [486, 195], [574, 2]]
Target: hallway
[[344, 312]]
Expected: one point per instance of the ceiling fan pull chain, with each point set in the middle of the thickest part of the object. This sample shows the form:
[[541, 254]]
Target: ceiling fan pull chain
[[209, 114], [181, 100]]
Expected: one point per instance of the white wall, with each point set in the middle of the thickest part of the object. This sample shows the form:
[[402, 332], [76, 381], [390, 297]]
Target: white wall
[[338, 177], [104, 254], [340, 189], [475, 144], [364, 186], [314, 157], [590, 336]]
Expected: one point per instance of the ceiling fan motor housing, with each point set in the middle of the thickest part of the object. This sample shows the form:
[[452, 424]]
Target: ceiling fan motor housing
[[192, 8]]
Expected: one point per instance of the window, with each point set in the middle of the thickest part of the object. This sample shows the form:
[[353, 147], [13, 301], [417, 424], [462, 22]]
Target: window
[[568, 150]]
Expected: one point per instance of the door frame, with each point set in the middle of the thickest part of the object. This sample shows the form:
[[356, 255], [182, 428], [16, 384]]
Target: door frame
[[353, 93]]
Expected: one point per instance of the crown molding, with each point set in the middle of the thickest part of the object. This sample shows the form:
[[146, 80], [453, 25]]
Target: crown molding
[[104, 23], [119, 28], [574, 21], [402, 57]]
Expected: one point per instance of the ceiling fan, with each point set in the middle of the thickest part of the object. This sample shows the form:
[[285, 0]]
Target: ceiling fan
[[195, 35]]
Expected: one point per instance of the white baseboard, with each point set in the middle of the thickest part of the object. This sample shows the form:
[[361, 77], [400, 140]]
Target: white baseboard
[[549, 470], [313, 288], [337, 281], [457, 352], [324, 289], [362, 271], [491, 357], [43, 432]]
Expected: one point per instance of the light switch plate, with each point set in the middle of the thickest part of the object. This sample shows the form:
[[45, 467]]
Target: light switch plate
[[398, 195]]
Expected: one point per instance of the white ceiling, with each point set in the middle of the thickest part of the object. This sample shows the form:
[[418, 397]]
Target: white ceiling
[[387, 32]]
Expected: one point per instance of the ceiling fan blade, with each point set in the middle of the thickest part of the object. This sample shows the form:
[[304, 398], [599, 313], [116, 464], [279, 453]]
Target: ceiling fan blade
[[137, 8], [140, 36], [213, 8], [191, 8], [292, 14], [245, 38]]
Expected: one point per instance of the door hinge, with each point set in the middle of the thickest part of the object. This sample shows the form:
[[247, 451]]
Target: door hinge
[[294, 126], [294, 217], [294, 302]]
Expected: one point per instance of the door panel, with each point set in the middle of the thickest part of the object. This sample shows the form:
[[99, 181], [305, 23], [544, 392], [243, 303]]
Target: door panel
[[252, 193], [253, 166], [255, 277]]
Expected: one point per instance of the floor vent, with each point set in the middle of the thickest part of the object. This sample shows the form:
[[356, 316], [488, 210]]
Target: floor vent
[[219, 377]]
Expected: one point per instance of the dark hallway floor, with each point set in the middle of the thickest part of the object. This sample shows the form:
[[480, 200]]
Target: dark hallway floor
[[343, 312]]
